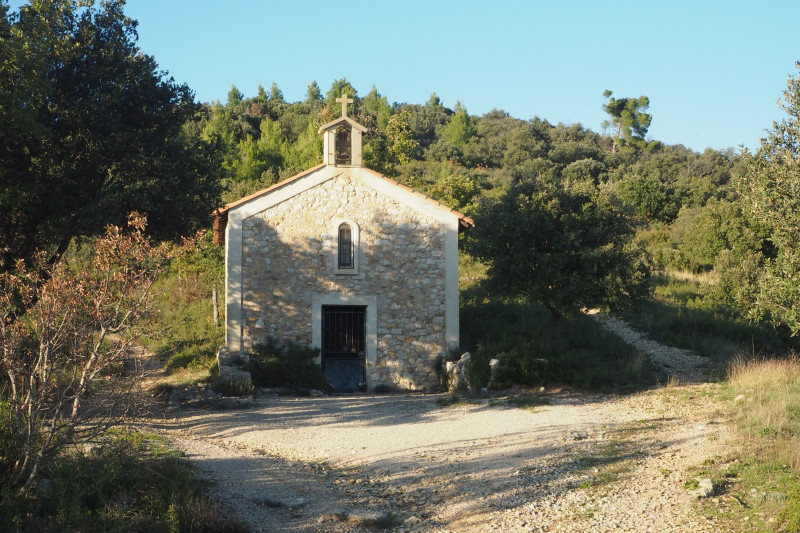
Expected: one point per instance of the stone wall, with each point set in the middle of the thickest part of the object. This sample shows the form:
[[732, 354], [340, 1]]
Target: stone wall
[[288, 254]]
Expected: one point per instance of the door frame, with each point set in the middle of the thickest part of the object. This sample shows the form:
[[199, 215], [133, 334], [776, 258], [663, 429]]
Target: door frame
[[370, 319]]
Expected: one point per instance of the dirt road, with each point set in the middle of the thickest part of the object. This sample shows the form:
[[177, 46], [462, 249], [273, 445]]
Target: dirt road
[[583, 462], [405, 462]]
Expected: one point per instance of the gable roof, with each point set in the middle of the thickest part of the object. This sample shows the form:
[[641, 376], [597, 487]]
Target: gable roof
[[220, 215], [342, 120]]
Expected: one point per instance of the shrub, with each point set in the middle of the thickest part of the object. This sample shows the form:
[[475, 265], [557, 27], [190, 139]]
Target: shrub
[[440, 368], [276, 364], [65, 330]]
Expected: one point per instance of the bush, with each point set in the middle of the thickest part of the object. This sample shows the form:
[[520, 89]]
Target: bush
[[276, 364], [440, 369]]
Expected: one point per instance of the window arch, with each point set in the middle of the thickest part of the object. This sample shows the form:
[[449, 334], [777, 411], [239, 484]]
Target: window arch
[[346, 250], [344, 245]]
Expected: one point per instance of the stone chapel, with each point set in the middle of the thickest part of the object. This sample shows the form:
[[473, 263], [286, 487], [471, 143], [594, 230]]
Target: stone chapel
[[344, 259]]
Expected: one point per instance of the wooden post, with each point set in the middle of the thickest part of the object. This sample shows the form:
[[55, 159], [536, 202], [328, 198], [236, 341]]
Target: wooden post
[[216, 305]]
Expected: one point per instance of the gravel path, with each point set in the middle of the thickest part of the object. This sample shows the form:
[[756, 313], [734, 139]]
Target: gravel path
[[686, 366], [584, 462]]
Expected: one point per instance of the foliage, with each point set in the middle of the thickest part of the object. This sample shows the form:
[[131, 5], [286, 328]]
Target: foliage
[[457, 191], [92, 130], [583, 355], [132, 483], [277, 364], [656, 184], [628, 118], [700, 234], [647, 195], [454, 136], [391, 148], [313, 94], [734, 283], [687, 313], [82, 325], [771, 193], [338, 88], [566, 247]]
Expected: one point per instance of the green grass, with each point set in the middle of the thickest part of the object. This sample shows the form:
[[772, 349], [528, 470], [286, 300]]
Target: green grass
[[190, 337], [455, 399], [680, 315], [579, 353], [132, 482], [528, 401], [759, 485]]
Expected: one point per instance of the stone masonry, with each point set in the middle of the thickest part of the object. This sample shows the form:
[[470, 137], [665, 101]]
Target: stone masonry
[[288, 254]]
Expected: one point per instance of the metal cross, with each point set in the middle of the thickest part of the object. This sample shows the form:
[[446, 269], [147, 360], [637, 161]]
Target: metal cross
[[344, 100]]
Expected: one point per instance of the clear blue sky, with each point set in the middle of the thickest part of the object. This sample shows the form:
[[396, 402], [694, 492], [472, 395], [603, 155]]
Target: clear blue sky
[[713, 70]]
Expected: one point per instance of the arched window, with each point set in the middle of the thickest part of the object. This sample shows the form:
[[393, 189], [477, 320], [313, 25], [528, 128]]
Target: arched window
[[346, 255], [344, 245]]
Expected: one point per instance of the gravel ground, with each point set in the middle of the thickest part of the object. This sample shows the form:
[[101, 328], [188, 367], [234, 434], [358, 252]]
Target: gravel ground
[[584, 462]]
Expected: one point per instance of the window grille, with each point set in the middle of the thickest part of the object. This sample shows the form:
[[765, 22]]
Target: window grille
[[346, 249], [344, 346]]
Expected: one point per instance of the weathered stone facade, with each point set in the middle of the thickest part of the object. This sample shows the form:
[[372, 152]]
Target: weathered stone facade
[[288, 257], [342, 253]]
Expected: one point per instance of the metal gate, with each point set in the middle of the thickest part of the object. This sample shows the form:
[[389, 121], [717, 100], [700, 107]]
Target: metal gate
[[344, 341]]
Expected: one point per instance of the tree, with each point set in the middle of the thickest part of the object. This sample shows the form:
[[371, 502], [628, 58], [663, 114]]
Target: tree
[[235, 96], [92, 130], [82, 326], [454, 136], [275, 93], [771, 195], [391, 148], [261, 96], [313, 94], [628, 118], [338, 87], [568, 248], [460, 129], [377, 107]]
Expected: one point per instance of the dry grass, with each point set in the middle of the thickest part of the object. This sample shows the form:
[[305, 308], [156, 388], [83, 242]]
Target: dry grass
[[182, 377], [768, 403], [703, 278]]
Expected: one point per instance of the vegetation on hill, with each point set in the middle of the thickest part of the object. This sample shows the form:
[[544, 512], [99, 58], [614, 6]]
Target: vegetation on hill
[[700, 248]]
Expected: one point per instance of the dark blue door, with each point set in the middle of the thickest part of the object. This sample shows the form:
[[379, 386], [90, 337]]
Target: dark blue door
[[344, 342]]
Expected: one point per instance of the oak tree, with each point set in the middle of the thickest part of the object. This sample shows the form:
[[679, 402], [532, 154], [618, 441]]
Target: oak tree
[[771, 194], [565, 246], [92, 130]]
